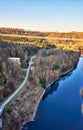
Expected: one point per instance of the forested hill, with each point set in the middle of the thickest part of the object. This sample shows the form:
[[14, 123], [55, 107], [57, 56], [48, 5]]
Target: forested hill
[[37, 33]]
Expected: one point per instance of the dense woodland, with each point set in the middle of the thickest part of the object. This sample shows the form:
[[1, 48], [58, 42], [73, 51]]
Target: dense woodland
[[54, 63], [11, 74]]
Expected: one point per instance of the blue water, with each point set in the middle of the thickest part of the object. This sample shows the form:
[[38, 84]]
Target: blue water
[[61, 105]]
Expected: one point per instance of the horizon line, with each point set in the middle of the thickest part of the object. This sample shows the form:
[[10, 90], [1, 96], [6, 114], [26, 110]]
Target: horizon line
[[41, 30]]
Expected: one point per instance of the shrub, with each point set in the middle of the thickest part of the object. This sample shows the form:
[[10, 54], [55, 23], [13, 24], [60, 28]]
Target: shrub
[[55, 67], [3, 79], [8, 110], [63, 69], [43, 82]]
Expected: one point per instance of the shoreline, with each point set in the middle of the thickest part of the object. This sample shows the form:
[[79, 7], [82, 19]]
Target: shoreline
[[36, 107], [38, 101], [30, 98], [68, 71]]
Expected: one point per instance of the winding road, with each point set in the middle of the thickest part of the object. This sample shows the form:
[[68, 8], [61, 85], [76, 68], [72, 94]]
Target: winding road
[[18, 89]]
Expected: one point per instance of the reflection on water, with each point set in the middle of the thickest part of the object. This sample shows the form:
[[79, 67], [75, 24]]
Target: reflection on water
[[66, 76], [54, 86], [50, 90], [31, 125], [81, 93], [82, 108]]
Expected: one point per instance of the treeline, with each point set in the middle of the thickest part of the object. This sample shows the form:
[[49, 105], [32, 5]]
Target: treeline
[[21, 32], [43, 34], [66, 35], [27, 41]]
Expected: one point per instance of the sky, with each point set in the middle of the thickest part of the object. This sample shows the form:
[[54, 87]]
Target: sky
[[42, 15]]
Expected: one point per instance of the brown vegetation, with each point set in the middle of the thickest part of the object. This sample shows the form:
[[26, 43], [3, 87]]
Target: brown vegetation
[[47, 68], [10, 73], [44, 41], [37, 33]]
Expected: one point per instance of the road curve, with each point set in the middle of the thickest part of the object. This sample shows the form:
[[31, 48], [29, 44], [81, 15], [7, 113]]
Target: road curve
[[18, 89]]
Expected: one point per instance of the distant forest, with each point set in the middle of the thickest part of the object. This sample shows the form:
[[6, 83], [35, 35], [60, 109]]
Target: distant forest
[[37, 33]]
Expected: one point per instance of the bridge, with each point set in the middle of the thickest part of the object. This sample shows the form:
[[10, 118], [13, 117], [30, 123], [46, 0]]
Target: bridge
[[2, 107]]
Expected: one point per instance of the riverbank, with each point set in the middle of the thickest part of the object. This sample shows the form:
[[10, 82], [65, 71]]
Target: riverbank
[[46, 69], [61, 75], [37, 104], [62, 100]]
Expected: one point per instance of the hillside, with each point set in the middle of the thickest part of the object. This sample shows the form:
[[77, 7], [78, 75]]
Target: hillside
[[66, 41]]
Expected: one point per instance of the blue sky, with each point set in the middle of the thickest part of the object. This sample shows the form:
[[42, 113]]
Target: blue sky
[[43, 15]]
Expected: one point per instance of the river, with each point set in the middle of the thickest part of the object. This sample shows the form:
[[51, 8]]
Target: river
[[61, 107]]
